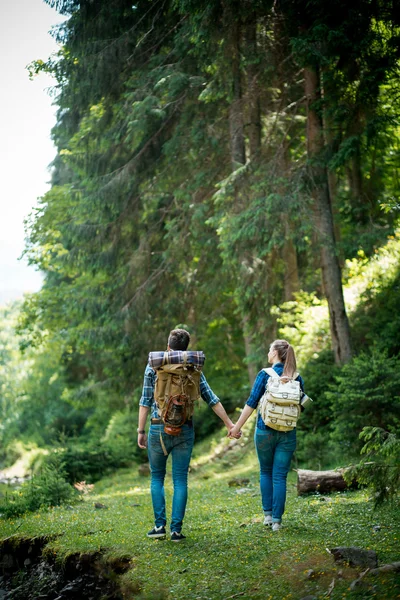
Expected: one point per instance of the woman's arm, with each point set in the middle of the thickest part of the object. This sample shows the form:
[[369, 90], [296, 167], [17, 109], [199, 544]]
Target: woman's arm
[[246, 412], [256, 393]]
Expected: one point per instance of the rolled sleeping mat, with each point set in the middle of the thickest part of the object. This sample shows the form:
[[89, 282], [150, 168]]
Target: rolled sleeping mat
[[176, 357]]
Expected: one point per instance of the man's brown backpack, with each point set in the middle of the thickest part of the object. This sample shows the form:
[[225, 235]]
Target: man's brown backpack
[[176, 390]]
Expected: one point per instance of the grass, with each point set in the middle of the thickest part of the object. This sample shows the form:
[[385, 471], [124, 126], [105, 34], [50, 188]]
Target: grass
[[228, 552]]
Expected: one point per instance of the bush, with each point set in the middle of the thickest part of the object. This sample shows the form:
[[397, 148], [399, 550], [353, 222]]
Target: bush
[[315, 424], [90, 461], [380, 467], [367, 394], [48, 488]]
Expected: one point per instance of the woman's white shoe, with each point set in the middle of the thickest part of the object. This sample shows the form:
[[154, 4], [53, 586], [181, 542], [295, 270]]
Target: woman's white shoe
[[276, 526]]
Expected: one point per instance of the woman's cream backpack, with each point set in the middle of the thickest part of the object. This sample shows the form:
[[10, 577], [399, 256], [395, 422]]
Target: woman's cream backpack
[[280, 405]]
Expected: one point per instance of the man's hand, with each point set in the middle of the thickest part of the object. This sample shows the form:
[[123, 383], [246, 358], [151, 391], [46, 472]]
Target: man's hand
[[142, 440]]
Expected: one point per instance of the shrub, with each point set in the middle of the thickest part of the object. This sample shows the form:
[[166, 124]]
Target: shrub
[[380, 466], [366, 394], [91, 460], [48, 488], [315, 424]]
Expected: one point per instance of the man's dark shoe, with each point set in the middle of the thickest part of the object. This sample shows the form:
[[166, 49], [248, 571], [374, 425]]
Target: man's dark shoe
[[157, 532], [177, 537]]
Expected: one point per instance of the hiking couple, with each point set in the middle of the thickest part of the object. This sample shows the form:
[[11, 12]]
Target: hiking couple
[[171, 435]]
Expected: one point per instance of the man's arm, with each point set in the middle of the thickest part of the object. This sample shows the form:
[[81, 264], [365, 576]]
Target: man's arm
[[214, 402], [142, 437], [221, 413], [145, 404]]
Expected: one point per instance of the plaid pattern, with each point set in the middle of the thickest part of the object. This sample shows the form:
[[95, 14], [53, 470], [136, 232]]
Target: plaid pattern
[[147, 398], [259, 388], [175, 357]]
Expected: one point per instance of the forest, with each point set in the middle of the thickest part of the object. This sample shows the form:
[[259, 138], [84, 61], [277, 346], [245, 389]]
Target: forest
[[231, 167]]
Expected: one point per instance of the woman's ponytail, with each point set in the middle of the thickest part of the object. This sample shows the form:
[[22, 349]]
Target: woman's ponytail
[[286, 355], [290, 363]]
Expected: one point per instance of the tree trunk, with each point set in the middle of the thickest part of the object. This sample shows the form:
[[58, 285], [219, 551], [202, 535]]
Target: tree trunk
[[281, 51], [238, 150], [289, 253], [251, 367], [292, 284], [236, 130], [252, 95], [331, 272], [320, 481], [331, 144]]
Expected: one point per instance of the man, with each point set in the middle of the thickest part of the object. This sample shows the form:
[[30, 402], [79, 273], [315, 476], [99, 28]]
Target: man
[[160, 446]]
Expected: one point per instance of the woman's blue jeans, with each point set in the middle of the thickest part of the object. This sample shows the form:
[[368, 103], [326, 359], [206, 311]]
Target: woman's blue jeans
[[274, 450], [180, 447]]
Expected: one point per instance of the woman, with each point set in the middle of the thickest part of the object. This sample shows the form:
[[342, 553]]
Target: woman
[[274, 448]]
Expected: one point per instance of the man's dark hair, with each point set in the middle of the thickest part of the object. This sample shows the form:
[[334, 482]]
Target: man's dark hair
[[179, 339]]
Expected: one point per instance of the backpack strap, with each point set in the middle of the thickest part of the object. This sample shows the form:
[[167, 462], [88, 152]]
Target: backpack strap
[[271, 372]]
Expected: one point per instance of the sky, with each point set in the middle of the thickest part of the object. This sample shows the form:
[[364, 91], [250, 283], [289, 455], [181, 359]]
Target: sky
[[26, 118]]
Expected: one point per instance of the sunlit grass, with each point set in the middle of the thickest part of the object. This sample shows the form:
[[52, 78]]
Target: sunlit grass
[[228, 551]]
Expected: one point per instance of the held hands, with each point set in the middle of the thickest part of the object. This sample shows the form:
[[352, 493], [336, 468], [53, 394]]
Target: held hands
[[235, 432]]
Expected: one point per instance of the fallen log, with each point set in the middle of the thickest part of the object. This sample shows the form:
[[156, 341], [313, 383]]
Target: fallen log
[[320, 481], [393, 567], [385, 569], [356, 557]]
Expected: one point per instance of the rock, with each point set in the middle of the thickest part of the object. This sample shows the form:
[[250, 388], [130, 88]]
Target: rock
[[356, 557], [358, 581], [99, 505], [238, 481], [73, 586], [7, 562], [243, 525], [376, 528], [243, 491], [144, 470], [27, 562], [310, 573]]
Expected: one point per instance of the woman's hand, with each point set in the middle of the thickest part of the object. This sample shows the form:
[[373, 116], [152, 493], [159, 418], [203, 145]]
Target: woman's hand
[[235, 432]]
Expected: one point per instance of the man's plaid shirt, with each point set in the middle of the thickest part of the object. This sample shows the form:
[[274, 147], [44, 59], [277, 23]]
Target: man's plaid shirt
[[147, 398]]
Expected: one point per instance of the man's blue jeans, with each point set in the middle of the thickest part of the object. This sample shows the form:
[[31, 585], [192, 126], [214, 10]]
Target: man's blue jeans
[[274, 450], [180, 447]]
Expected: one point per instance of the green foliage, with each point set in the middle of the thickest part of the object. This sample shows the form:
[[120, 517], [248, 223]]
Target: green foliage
[[376, 318], [46, 489], [91, 460], [379, 468], [304, 321], [316, 423], [367, 393], [151, 221]]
